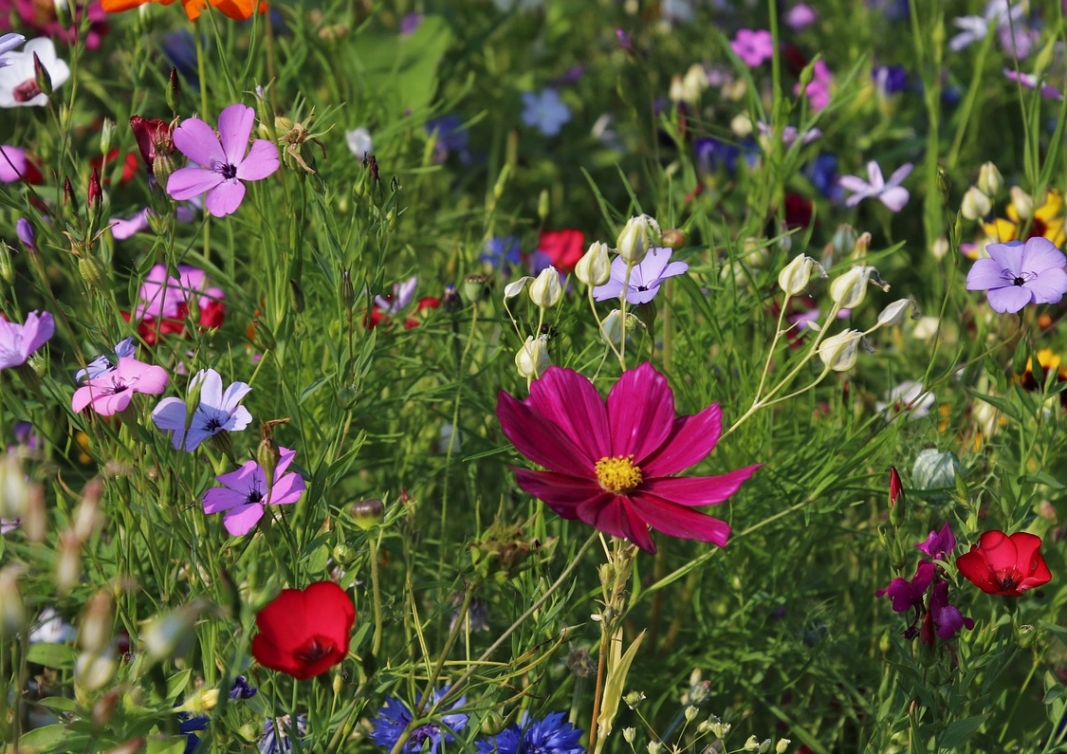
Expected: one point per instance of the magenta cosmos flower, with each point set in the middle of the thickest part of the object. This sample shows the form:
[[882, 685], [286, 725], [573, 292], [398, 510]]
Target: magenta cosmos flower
[[244, 493], [609, 465], [220, 162], [112, 392], [1015, 274], [17, 341]]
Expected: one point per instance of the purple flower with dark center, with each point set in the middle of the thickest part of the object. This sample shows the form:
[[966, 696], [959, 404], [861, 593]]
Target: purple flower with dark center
[[244, 493], [277, 734], [394, 718], [908, 594], [645, 277], [220, 162], [1017, 274], [939, 544], [112, 391], [17, 341], [753, 47], [102, 364], [890, 193], [553, 735], [219, 411]]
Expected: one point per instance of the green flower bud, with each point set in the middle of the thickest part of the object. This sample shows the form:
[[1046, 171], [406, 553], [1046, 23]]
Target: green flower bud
[[367, 513]]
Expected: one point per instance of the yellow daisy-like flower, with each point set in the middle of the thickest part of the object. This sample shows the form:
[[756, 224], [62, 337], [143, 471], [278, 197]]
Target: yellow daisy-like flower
[[1047, 222]]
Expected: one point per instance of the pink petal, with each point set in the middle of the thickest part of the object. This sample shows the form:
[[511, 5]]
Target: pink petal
[[82, 397], [855, 183], [874, 175], [235, 126], [196, 140], [618, 518], [240, 521], [189, 182], [219, 499], [286, 490], [560, 492], [640, 413], [540, 440], [225, 198], [575, 406], [900, 174], [695, 491], [262, 160], [109, 405], [676, 521], [12, 163], [691, 440]]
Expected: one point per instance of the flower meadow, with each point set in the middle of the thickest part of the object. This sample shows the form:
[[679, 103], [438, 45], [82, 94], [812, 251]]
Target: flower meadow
[[533, 377]]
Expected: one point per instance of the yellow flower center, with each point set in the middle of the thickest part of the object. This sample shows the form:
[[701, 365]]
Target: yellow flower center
[[618, 474]]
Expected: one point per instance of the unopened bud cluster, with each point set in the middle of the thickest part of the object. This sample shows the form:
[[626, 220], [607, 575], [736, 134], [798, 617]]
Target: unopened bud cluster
[[978, 200]]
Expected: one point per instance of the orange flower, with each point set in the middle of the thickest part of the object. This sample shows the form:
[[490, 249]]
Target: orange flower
[[237, 9]]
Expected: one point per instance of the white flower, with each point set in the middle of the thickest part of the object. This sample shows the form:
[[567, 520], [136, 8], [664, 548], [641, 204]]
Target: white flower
[[532, 359], [546, 291], [975, 204], [18, 80], [9, 42], [909, 397], [636, 237], [594, 268], [976, 28], [359, 142], [838, 352]]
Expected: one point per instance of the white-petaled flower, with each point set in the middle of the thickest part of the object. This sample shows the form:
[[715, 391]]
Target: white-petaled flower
[[909, 397], [849, 290], [794, 277], [594, 268], [532, 359], [360, 142], [613, 329], [839, 352], [546, 291], [18, 79], [638, 235], [975, 204]]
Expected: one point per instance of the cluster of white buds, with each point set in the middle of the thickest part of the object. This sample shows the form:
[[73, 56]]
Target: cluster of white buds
[[545, 292], [978, 201]]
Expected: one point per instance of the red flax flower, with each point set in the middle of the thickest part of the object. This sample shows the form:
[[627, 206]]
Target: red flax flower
[[1005, 565], [305, 633], [610, 464], [240, 10]]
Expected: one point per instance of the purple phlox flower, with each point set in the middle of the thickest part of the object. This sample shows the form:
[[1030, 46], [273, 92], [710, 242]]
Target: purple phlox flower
[[645, 277], [552, 735], [220, 162], [1028, 80], [395, 716], [545, 111], [162, 295], [571, 76], [25, 437], [8, 43], [410, 22], [890, 79], [18, 78], [905, 594], [24, 230], [942, 616], [275, 740], [998, 13], [818, 89], [1017, 274], [12, 163], [218, 411], [103, 364], [909, 397], [244, 493], [939, 544], [753, 47], [112, 391], [359, 142], [789, 135], [403, 295], [890, 193], [501, 252], [123, 228], [50, 628], [800, 16], [17, 341]]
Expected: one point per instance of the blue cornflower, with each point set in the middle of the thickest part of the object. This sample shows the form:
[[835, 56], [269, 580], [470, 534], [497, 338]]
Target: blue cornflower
[[190, 726], [395, 717], [890, 79], [501, 252], [553, 735], [242, 689], [822, 172], [277, 741]]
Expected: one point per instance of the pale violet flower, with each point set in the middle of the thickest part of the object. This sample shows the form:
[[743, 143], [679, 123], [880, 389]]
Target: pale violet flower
[[545, 111], [49, 628], [8, 42], [976, 28], [403, 294], [18, 79], [360, 142], [890, 193], [102, 364], [217, 411], [790, 134], [646, 277]]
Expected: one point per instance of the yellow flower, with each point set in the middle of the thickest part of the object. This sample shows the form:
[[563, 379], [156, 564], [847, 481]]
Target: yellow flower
[[1047, 222]]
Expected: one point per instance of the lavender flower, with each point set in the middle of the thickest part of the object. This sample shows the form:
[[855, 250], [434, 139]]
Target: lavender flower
[[645, 277], [12, 163], [244, 493], [890, 193], [220, 163], [753, 47], [1015, 274], [24, 230], [218, 411], [9, 42], [17, 341], [545, 111]]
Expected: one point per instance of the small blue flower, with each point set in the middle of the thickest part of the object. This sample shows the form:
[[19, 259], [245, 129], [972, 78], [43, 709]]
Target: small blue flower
[[502, 252], [189, 726], [242, 689], [553, 735], [278, 741], [545, 111], [394, 717], [822, 172], [890, 79], [451, 137]]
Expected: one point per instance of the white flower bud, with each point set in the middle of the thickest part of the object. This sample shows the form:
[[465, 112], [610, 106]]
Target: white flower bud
[[752, 744], [690, 713], [939, 248], [636, 237], [95, 632], [694, 83], [14, 489], [13, 616], [926, 328], [976, 204], [594, 268], [782, 745], [893, 314], [765, 746], [612, 329], [532, 359], [1022, 202], [990, 180], [794, 277], [849, 290], [719, 729], [741, 125], [676, 91], [511, 290], [546, 291], [628, 734], [93, 670], [170, 634], [838, 352], [654, 747]]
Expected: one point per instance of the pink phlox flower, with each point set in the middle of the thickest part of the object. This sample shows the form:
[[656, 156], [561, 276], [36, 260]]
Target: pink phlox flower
[[800, 16], [12, 164], [1015, 274], [113, 390], [939, 544], [8, 43], [1029, 81], [244, 493], [818, 89], [906, 594], [403, 295], [220, 162], [890, 193], [123, 228], [163, 296], [753, 47], [645, 277], [218, 411], [103, 364], [610, 463], [17, 341]]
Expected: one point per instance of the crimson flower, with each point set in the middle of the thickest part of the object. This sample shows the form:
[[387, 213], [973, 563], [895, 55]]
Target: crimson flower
[[304, 633], [563, 247], [609, 464], [1005, 565]]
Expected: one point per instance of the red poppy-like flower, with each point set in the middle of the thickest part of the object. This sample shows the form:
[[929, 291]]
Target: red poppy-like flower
[[304, 633], [563, 247], [610, 464], [1005, 565]]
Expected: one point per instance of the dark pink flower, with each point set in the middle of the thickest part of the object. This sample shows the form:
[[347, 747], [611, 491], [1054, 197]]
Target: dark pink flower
[[753, 47], [112, 392], [610, 464], [908, 594]]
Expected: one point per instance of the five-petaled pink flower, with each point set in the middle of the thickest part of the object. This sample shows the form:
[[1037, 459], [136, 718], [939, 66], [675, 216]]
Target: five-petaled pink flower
[[753, 47], [610, 464], [220, 162], [112, 391]]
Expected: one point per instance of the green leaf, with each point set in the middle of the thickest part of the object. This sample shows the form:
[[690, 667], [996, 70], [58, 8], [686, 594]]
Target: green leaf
[[957, 733], [53, 739], [166, 745], [60, 656]]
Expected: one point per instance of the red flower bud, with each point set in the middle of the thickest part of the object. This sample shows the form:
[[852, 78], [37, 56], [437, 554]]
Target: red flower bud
[[153, 138], [95, 192]]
